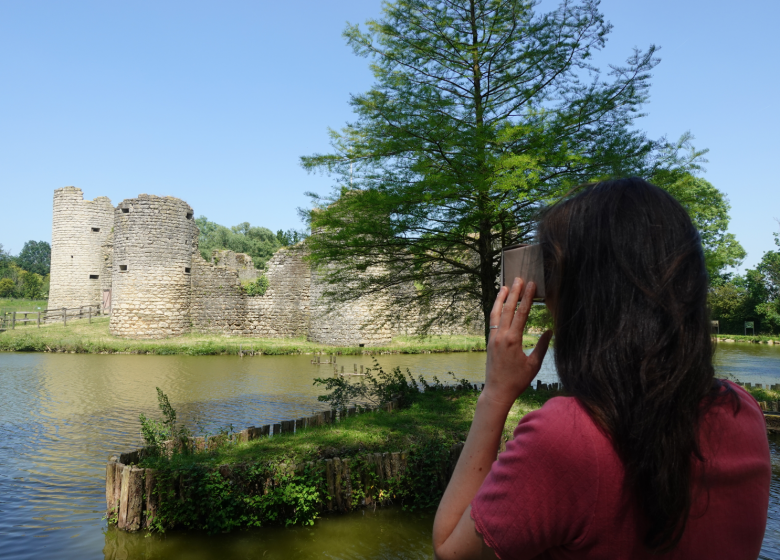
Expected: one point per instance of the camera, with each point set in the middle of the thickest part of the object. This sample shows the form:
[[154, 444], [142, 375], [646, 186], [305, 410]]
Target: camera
[[526, 262]]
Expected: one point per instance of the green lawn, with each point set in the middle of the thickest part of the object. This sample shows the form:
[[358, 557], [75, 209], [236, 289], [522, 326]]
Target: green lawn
[[82, 337], [10, 305]]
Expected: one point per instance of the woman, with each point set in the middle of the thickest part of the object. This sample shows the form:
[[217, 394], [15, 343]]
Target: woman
[[649, 455]]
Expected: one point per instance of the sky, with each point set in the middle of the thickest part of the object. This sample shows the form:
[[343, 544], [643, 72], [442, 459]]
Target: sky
[[215, 102]]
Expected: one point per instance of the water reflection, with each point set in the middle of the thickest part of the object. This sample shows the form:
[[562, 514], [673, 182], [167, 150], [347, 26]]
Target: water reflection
[[62, 415]]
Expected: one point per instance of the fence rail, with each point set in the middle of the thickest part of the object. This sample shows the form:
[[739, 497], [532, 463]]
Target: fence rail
[[9, 320]]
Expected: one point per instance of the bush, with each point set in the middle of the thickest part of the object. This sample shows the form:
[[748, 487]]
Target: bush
[[256, 288], [156, 432], [6, 287], [377, 386]]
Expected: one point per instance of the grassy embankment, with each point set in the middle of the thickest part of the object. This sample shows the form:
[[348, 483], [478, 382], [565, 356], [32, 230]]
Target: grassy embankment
[[441, 416], [759, 338], [80, 336]]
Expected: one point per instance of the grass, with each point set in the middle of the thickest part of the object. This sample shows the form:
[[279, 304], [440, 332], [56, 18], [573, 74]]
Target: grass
[[436, 415], [9, 305], [749, 338], [79, 336]]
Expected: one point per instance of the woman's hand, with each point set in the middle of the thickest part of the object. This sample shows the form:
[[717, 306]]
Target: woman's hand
[[509, 371]]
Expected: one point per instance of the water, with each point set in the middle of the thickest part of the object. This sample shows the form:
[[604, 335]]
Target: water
[[62, 415]]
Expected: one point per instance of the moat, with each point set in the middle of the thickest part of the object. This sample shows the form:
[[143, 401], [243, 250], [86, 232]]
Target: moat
[[63, 414]]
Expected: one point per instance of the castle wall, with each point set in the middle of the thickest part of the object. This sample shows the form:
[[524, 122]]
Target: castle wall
[[240, 262], [219, 305], [154, 243], [77, 272]]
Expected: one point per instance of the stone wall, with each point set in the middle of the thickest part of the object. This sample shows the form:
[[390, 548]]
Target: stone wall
[[240, 262], [362, 321], [219, 305], [155, 240], [79, 229]]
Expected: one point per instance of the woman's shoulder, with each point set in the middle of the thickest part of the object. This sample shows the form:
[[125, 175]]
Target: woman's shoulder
[[563, 423]]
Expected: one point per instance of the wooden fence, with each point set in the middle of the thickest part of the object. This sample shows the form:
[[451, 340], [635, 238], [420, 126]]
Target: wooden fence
[[9, 320]]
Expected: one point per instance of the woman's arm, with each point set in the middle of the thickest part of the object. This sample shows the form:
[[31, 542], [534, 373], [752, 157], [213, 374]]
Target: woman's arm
[[508, 373]]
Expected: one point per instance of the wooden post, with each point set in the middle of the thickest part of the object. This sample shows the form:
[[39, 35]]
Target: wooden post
[[39, 319], [135, 492], [110, 482], [150, 484], [13, 320], [89, 314], [64, 317], [123, 496], [331, 483]]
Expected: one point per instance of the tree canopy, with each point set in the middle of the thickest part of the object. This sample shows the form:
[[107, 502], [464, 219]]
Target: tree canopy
[[35, 257], [483, 111], [258, 242]]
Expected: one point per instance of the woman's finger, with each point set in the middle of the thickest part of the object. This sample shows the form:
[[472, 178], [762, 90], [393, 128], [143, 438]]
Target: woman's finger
[[510, 305], [495, 314]]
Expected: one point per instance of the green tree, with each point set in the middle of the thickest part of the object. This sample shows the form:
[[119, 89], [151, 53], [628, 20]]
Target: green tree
[[5, 263], [258, 242], [7, 288], [709, 210], [35, 257], [483, 111], [31, 285]]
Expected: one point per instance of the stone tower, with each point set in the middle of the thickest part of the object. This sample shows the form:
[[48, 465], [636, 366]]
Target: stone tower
[[79, 230], [154, 241]]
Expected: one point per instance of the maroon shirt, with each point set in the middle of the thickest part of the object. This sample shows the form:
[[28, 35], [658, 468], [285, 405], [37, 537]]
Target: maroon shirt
[[557, 491]]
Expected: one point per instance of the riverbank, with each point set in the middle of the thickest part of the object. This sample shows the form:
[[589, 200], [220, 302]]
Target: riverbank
[[752, 339], [84, 337]]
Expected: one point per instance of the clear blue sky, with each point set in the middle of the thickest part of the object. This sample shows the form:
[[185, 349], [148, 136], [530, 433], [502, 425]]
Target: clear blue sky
[[214, 102]]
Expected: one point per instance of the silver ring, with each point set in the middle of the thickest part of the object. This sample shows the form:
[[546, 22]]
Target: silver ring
[[493, 326]]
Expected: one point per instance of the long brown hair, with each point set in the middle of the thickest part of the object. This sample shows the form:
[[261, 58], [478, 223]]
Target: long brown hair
[[627, 287]]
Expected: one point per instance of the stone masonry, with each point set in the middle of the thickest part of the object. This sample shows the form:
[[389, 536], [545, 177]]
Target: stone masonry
[[143, 255], [80, 228]]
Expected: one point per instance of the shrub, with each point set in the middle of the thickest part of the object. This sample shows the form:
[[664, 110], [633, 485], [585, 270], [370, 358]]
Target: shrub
[[6, 287], [256, 288]]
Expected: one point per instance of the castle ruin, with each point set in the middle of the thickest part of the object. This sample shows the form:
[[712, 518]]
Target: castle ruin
[[140, 261]]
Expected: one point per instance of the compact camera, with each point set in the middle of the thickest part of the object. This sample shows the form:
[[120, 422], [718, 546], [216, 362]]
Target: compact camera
[[526, 262]]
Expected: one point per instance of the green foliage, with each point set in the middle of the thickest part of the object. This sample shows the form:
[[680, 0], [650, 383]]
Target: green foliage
[[754, 296], [253, 496], [376, 386], [7, 287], [482, 113], [258, 242], [709, 210], [35, 257], [290, 237], [256, 288], [32, 285], [156, 432]]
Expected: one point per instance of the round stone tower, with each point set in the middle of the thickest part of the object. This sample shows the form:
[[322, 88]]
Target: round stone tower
[[154, 240], [80, 228]]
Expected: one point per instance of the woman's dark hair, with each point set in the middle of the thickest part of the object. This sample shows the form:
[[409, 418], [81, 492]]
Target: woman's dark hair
[[627, 286]]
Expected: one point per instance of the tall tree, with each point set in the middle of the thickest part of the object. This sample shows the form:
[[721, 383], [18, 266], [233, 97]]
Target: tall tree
[[35, 257], [482, 112]]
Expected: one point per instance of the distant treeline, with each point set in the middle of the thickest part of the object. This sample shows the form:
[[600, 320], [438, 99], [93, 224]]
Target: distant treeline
[[258, 242], [753, 296], [25, 275]]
